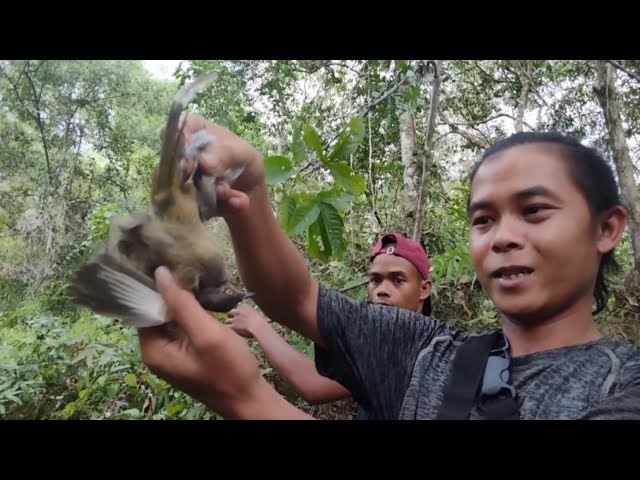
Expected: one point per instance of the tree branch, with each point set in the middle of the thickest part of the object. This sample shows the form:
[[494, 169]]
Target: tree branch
[[619, 66]]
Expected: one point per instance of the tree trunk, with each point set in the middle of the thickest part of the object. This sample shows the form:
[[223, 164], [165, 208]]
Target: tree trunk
[[607, 93], [408, 149], [428, 150]]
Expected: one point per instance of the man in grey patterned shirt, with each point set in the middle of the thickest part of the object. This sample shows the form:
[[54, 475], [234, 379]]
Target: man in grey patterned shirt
[[545, 218]]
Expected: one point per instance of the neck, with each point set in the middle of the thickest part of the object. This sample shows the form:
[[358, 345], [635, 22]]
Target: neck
[[570, 327]]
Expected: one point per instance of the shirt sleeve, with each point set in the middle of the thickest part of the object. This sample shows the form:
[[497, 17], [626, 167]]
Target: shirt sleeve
[[370, 349]]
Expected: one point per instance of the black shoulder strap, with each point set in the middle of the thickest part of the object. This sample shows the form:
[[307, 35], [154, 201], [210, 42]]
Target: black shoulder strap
[[464, 389], [466, 376]]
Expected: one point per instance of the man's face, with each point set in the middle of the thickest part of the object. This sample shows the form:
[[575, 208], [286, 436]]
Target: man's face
[[394, 281], [533, 240]]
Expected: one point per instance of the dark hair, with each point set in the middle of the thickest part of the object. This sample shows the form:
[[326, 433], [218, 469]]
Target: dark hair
[[591, 174]]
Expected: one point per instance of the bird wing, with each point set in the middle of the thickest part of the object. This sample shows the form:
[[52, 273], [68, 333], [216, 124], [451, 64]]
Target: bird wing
[[108, 287]]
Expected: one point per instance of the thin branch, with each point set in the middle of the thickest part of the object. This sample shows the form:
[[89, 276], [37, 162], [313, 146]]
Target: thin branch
[[533, 87], [359, 284], [633, 75], [476, 140], [363, 113], [493, 79]]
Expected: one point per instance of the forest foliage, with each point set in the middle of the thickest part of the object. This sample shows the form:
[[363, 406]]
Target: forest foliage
[[352, 149]]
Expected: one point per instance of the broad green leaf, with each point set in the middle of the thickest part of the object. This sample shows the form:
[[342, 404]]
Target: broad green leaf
[[319, 246], [130, 379], [303, 216], [278, 169], [334, 228], [347, 178], [349, 140], [336, 197], [312, 140], [326, 234], [287, 207]]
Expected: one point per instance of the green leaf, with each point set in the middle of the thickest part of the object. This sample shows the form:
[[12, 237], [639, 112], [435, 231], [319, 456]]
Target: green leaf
[[334, 229], [278, 169], [312, 140], [287, 207], [326, 234], [347, 178], [349, 140], [304, 215], [130, 379], [319, 245], [132, 413], [338, 198]]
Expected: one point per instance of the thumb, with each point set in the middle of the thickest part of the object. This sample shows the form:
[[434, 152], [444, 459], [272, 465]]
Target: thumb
[[183, 306]]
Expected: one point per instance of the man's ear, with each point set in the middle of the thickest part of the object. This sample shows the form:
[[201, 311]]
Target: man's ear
[[425, 289], [610, 229]]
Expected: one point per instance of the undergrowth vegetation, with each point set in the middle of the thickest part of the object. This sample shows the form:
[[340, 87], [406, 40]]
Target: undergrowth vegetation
[[80, 151]]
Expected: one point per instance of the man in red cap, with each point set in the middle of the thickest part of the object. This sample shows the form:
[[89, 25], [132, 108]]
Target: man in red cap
[[393, 281], [398, 277]]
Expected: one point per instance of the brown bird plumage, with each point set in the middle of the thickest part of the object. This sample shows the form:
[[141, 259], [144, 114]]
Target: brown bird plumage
[[119, 281]]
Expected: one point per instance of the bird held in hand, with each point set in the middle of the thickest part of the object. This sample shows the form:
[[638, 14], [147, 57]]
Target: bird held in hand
[[118, 282]]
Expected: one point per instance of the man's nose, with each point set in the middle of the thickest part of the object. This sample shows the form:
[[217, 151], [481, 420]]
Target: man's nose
[[507, 235], [382, 290]]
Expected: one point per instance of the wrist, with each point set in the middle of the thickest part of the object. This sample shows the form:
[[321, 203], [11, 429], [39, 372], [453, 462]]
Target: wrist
[[260, 329], [258, 203]]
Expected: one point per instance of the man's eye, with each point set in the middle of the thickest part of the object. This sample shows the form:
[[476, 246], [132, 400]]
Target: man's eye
[[481, 220], [533, 209]]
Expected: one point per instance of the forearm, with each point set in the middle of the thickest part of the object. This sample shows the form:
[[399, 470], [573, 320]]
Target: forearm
[[273, 268], [264, 403], [297, 369]]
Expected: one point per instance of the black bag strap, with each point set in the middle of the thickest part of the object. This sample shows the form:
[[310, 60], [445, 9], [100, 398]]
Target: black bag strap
[[475, 366]]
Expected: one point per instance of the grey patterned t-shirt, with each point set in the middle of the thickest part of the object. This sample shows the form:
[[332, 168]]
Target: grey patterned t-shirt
[[396, 363]]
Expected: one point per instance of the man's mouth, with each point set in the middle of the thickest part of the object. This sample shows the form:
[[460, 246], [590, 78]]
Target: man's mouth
[[512, 272]]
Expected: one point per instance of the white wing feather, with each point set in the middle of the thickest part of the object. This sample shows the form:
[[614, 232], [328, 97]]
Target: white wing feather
[[146, 307]]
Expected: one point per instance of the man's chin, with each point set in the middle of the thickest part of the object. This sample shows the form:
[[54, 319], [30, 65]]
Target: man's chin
[[521, 312]]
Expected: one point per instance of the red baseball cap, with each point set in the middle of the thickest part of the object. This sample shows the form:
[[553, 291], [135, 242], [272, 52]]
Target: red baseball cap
[[411, 251]]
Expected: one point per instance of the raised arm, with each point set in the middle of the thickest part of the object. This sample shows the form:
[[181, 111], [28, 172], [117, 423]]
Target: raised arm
[[273, 268], [293, 366], [269, 263]]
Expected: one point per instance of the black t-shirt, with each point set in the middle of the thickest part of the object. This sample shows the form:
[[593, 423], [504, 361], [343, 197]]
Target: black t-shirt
[[396, 364]]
